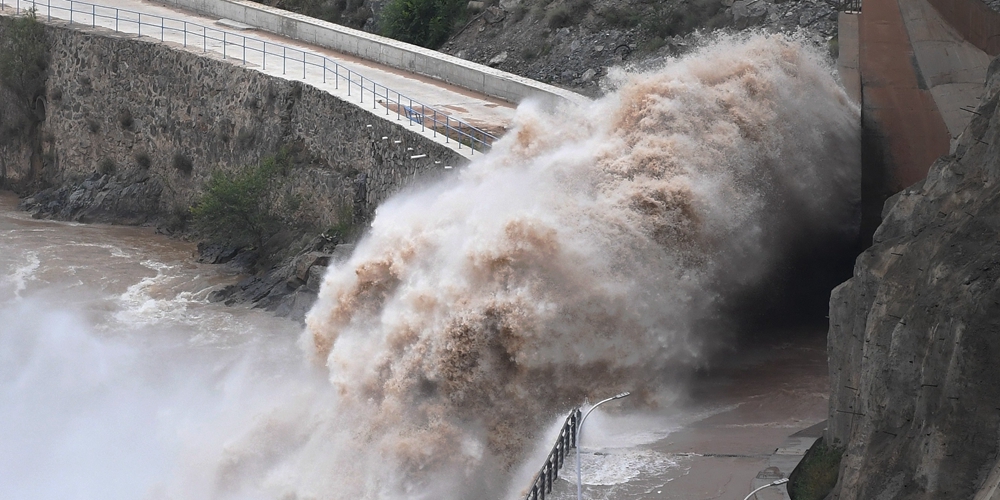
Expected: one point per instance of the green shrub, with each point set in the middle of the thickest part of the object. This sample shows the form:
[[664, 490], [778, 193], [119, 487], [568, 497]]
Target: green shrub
[[24, 58], [621, 18], [106, 166], [143, 159], [23, 71], [567, 14], [427, 23], [816, 474], [182, 163], [241, 207], [124, 118]]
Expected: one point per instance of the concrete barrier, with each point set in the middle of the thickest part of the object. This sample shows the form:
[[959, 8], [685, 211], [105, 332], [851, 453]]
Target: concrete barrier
[[977, 23], [392, 53]]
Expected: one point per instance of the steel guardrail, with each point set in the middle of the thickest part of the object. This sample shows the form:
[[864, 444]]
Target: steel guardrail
[[850, 6], [236, 47], [541, 485]]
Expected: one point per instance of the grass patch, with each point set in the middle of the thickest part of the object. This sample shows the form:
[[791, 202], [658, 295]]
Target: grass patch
[[427, 23], [568, 14], [816, 474], [124, 118], [621, 18]]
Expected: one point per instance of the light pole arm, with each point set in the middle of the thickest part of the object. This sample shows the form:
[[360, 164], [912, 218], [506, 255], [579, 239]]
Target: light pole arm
[[576, 444], [768, 485]]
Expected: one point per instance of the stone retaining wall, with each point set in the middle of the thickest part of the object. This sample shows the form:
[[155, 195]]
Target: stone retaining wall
[[160, 119]]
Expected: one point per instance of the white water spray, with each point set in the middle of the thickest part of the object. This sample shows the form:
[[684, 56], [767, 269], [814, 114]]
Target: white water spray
[[590, 252]]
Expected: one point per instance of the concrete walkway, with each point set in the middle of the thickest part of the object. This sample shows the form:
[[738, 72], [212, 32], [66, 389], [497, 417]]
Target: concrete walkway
[[489, 114], [739, 427], [784, 460]]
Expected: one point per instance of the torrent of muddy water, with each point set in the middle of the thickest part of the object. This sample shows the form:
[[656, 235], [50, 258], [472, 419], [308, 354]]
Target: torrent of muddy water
[[594, 250]]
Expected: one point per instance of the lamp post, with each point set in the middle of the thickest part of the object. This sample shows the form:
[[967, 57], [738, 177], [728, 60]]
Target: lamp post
[[579, 430], [768, 485]]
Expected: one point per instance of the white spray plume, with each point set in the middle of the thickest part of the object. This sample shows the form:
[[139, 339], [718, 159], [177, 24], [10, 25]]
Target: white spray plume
[[584, 256]]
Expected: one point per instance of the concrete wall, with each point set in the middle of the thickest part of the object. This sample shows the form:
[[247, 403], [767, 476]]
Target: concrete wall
[[392, 53], [848, 64], [114, 100], [972, 19], [902, 130]]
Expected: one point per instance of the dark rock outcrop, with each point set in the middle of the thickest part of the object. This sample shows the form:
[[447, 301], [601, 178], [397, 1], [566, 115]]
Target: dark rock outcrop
[[915, 336]]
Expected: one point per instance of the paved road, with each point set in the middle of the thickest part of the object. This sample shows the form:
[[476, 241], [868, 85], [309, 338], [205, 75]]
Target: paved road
[[282, 57]]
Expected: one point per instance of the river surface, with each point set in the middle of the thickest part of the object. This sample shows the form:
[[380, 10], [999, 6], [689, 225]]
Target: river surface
[[116, 374], [118, 379]]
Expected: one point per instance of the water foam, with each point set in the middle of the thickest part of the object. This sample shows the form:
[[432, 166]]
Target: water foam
[[592, 251], [22, 274]]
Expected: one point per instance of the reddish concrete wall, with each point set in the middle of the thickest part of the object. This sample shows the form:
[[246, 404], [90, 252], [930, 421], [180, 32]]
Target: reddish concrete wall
[[972, 19], [902, 130]]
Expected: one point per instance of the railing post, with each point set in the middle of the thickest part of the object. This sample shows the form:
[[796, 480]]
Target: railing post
[[324, 70], [263, 64], [244, 51], [185, 26], [303, 65], [93, 16], [223, 45], [161, 29], [284, 59]]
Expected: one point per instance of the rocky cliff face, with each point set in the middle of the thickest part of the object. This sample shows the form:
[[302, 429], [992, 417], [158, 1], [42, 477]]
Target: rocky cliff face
[[915, 335], [573, 43]]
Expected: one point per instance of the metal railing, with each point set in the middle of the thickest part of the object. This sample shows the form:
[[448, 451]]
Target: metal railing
[[542, 484], [257, 51], [852, 6]]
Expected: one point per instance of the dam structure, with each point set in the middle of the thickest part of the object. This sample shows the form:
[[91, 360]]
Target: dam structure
[[917, 68]]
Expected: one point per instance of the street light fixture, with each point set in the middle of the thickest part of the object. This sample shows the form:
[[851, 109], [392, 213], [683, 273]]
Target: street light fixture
[[579, 430], [768, 485]]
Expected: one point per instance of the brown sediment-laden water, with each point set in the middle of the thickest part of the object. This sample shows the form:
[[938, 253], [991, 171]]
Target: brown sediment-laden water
[[595, 250]]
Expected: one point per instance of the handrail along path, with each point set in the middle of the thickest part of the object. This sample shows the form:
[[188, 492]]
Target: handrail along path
[[257, 51], [541, 485]]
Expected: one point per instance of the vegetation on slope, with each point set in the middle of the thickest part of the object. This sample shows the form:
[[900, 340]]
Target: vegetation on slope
[[23, 69], [241, 207], [428, 23], [816, 475]]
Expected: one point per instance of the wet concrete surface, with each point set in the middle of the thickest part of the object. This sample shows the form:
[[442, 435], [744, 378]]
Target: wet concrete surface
[[718, 437]]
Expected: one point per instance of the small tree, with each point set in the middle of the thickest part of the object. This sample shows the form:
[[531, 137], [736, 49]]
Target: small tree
[[24, 58], [240, 207], [23, 70]]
